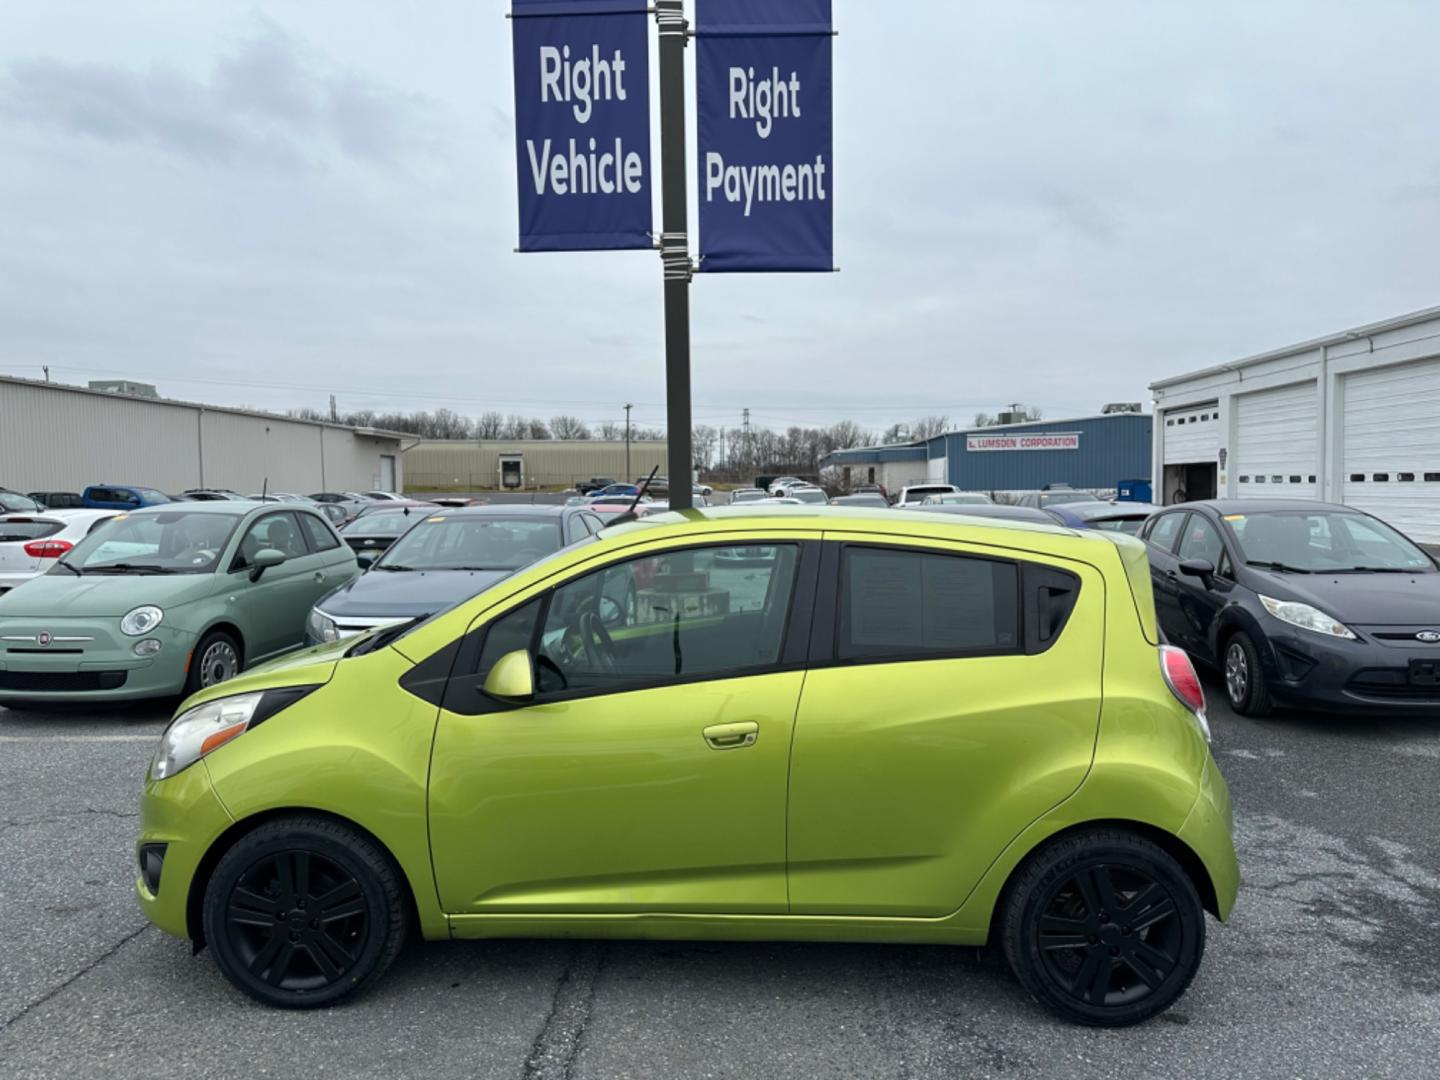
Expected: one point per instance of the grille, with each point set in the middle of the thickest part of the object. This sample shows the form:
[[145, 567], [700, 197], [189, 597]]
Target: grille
[[1391, 685], [62, 682]]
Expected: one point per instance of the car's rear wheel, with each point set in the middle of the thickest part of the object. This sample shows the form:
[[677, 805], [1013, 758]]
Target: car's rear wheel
[[1244, 678], [216, 659], [303, 912], [1104, 928]]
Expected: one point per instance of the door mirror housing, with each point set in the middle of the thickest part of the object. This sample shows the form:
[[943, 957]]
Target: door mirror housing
[[512, 679], [366, 560], [1203, 569], [265, 559]]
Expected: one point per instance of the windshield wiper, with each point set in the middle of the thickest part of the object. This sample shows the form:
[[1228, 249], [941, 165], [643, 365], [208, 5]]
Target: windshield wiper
[[393, 569], [69, 566], [132, 568], [384, 638], [1280, 566], [1377, 570]]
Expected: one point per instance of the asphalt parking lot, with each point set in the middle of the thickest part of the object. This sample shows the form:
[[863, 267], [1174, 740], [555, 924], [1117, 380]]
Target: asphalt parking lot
[[1329, 968]]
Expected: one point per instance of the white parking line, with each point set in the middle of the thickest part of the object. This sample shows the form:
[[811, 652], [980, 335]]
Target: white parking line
[[78, 738]]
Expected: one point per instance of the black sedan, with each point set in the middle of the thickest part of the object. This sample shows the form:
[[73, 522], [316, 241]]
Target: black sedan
[[445, 557], [1299, 603]]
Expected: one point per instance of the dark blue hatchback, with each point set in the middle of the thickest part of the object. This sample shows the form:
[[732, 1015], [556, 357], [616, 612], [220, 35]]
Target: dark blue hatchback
[[1299, 603]]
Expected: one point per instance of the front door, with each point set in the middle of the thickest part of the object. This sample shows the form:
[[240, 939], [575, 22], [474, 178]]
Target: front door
[[649, 775], [1200, 601], [953, 698], [272, 611]]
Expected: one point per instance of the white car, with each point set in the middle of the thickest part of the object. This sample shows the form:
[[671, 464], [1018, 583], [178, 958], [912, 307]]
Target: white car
[[30, 544], [809, 495], [384, 496], [744, 496], [916, 495]]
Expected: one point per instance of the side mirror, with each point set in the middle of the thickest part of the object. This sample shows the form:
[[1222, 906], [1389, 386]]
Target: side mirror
[[366, 560], [512, 679], [1204, 569], [265, 559]]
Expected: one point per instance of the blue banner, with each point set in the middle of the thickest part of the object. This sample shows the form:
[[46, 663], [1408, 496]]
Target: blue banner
[[765, 90], [582, 124]]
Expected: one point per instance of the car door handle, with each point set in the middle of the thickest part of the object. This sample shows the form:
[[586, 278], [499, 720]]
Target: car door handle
[[732, 736]]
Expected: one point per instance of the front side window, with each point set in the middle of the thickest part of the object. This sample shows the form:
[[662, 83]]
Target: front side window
[[277, 532], [1202, 542], [708, 613], [896, 604], [174, 542]]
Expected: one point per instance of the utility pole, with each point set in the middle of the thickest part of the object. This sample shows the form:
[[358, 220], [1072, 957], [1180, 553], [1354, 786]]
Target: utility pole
[[675, 247], [334, 411], [629, 476]]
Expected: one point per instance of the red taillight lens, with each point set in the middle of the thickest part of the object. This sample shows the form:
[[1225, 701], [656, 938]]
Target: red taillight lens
[[1181, 678], [47, 549]]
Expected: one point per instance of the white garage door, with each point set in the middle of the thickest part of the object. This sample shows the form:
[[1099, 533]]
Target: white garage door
[[1192, 436], [1277, 452], [1392, 455]]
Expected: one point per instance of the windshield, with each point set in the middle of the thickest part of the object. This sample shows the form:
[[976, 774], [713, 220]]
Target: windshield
[[474, 543], [1065, 498], [1325, 541], [389, 523], [809, 495], [963, 500], [174, 542]]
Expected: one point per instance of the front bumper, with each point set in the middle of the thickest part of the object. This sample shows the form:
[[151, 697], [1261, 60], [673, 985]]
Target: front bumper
[[1307, 670], [88, 660], [184, 815]]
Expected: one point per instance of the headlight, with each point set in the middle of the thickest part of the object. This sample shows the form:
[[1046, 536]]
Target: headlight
[[322, 627], [198, 731], [141, 621], [1307, 618]]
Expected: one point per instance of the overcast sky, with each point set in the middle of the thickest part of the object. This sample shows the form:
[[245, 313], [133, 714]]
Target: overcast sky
[[264, 203]]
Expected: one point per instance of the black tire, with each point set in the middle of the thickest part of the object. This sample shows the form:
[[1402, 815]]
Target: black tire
[[1245, 687], [205, 661], [304, 912], [1067, 955]]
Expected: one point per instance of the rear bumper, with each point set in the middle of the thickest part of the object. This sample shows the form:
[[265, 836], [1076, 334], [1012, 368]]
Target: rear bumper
[[1209, 832]]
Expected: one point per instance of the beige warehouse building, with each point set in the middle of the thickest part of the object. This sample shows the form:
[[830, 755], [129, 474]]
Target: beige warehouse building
[[65, 438], [530, 465]]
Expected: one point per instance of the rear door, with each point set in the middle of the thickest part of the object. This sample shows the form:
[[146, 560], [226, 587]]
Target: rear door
[[953, 697]]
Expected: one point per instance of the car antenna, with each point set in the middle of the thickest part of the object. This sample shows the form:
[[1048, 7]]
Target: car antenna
[[630, 515], [265, 490]]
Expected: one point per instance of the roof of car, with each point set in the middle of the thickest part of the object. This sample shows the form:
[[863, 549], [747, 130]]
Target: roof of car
[[232, 508], [836, 518], [1261, 506], [513, 510]]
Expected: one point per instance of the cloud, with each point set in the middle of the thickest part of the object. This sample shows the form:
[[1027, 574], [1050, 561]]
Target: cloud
[[270, 103]]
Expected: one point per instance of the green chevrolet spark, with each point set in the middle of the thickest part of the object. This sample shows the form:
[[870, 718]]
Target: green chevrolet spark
[[168, 600], [800, 724]]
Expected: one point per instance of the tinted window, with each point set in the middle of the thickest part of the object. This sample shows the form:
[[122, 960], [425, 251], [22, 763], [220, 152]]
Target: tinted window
[[1202, 541], [318, 533], [15, 532], [895, 603], [1163, 532], [512, 633], [702, 614]]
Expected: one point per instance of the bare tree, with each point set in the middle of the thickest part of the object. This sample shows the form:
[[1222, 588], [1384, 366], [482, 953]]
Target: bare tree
[[928, 427], [704, 441], [491, 425], [569, 429], [536, 429], [610, 432]]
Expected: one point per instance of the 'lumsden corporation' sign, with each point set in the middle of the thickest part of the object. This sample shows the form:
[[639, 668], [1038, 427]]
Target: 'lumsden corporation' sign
[[1049, 441]]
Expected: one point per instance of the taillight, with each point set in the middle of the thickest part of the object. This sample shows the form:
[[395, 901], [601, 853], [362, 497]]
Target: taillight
[[47, 549], [1180, 676]]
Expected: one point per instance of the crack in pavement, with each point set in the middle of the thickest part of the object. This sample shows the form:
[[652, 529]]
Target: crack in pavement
[[53, 991], [557, 1047], [49, 819]]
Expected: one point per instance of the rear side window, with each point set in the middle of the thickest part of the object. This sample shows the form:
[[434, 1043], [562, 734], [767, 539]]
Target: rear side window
[[1163, 532], [897, 604], [321, 537], [25, 530]]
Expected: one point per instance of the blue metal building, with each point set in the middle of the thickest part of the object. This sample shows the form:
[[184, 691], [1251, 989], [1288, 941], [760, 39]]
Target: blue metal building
[[1096, 452]]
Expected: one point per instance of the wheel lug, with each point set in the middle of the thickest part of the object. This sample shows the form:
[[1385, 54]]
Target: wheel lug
[[294, 936]]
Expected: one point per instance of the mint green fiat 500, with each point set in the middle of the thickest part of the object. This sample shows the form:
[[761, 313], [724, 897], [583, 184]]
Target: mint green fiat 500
[[168, 600]]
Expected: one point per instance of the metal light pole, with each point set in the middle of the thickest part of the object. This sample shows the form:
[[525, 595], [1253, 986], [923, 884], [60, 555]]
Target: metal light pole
[[675, 247], [629, 476]]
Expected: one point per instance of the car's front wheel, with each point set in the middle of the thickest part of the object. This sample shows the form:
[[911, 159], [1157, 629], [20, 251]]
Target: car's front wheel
[[217, 659], [1104, 928], [303, 912], [1244, 678]]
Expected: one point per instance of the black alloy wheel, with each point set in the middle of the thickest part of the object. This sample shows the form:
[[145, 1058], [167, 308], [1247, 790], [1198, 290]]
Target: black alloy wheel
[[303, 912], [1105, 928]]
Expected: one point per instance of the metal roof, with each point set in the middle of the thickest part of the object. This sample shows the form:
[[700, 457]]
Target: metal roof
[[377, 433], [1397, 323]]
